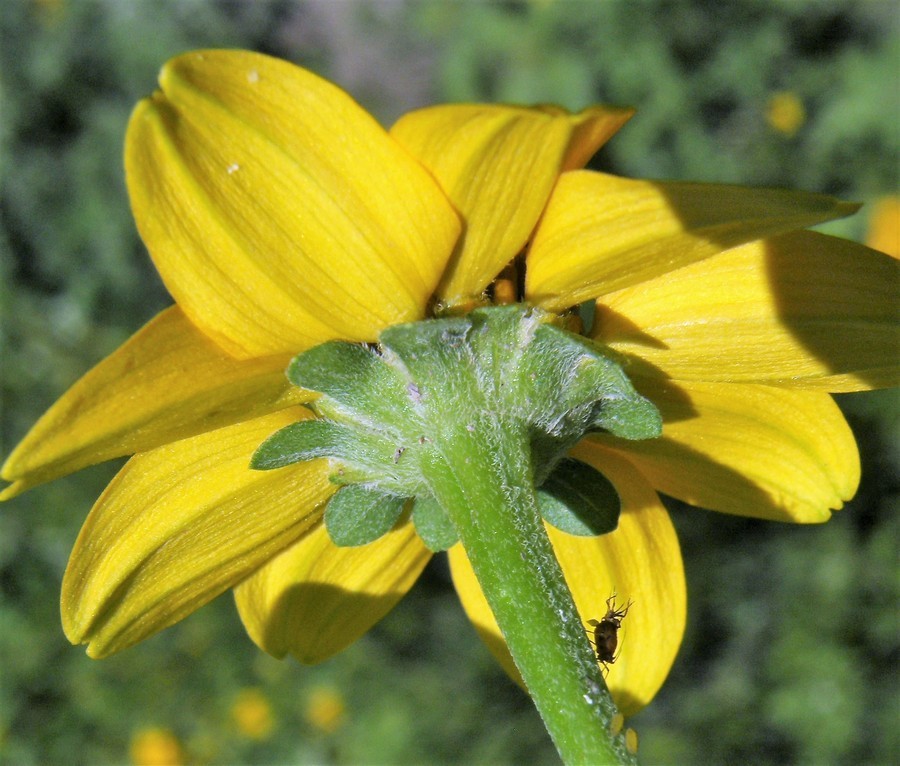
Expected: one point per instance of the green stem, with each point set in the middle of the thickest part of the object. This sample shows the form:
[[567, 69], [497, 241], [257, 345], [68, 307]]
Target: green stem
[[482, 478]]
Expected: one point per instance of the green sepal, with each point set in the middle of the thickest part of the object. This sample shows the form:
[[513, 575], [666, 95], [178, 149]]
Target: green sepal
[[355, 382], [587, 385], [311, 439], [357, 514], [579, 500], [505, 371], [433, 524]]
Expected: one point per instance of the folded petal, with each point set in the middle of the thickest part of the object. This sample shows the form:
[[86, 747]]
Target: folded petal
[[278, 212], [640, 561], [315, 599], [601, 233], [180, 525], [167, 382], [498, 164], [802, 310], [760, 451]]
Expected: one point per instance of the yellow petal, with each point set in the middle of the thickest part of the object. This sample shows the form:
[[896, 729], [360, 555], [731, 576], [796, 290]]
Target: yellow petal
[[315, 599], [167, 382], [601, 233], [498, 164], [277, 211], [884, 226], [591, 128], [180, 525], [752, 450], [800, 310], [640, 561]]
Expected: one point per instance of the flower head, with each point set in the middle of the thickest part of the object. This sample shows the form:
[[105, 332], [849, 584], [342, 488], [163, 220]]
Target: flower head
[[155, 747], [325, 709], [785, 113], [251, 713], [281, 216]]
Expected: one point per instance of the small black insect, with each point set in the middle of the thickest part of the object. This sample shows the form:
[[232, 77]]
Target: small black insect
[[606, 632]]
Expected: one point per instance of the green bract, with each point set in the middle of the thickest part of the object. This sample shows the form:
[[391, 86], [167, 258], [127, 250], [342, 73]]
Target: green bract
[[383, 411]]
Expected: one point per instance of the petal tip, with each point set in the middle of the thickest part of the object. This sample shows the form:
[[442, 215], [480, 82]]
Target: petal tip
[[11, 491]]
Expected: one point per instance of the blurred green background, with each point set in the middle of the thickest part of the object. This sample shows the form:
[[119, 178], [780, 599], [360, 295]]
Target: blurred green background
[[792, 645]]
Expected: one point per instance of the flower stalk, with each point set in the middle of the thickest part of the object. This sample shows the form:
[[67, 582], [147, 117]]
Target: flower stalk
[[482, 478]]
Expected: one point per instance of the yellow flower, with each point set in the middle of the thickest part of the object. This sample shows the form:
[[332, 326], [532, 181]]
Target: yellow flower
[[252, 714], [155, 747], [325, 709], [280, 215], [49, 12], [785, 113]]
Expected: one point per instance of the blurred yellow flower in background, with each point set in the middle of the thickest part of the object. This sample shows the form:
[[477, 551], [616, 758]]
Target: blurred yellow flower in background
[[49, 12], [785, 113], [325, 709], [251, 713], [155, 747]]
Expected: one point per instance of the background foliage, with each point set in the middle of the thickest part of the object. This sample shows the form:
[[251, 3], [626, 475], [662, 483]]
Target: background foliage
[[791, 652]]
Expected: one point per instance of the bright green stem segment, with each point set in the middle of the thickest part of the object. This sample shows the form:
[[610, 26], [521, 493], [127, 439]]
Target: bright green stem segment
[[470, 417], [489, 499]]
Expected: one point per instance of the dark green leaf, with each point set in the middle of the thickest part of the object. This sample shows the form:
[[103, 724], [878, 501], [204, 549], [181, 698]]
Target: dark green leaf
[[354, 380], [311, 439], [589, 385], [579, 500], [357, 515], [433, 524]]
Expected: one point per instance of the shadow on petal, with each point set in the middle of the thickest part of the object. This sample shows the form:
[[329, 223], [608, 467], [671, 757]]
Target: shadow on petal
[[613, 326], [348, 614], [601, 233], [761, 451], [316, 598], [839, 299], [684, 473]]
